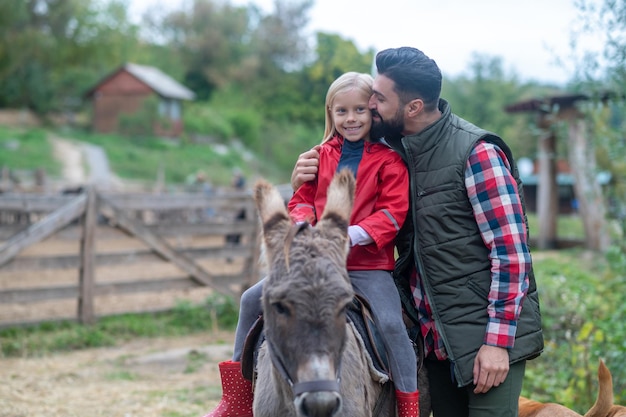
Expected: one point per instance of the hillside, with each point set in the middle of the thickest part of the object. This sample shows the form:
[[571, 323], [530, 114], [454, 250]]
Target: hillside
[[71, 159]]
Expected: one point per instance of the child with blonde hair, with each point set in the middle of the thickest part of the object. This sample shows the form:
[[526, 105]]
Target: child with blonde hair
[[380, 207]]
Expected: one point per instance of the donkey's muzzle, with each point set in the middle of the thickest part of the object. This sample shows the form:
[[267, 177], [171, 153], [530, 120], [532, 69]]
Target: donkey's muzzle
[[318, 403]]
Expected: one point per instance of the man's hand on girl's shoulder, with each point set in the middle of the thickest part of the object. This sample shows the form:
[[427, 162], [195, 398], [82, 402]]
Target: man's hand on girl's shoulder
[[306, 167]]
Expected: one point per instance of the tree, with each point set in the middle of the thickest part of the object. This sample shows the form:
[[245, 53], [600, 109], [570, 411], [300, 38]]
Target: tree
[[281, 50], [51, 51], [279, 39], [482, 95], [601, 74], [210, 39]]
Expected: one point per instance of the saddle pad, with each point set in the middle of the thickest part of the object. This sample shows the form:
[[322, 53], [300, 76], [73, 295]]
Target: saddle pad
[[360, 316], [251, 346]]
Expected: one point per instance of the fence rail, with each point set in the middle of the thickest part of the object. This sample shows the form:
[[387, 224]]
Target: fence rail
[[101, 230]]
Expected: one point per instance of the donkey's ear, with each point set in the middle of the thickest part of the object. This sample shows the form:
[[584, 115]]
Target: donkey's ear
[[339, 202], [274, 217]]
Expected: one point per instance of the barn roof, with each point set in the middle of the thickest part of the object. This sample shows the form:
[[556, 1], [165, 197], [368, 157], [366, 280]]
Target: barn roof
[[545, 104], [160, 82], [563, 101], [157, 80]]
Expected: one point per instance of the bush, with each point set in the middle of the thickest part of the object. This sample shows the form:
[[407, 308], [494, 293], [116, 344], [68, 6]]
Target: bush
[[204, 121], [246, 125], [582, 316]]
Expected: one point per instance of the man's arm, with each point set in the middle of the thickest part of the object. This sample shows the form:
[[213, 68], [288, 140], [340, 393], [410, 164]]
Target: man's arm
[[492, 190], [306, 167]]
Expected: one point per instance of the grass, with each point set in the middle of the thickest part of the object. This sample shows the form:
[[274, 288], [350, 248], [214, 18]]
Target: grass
[[143, 159], [146, 158], [27, 150], [185, 319], [569, 227]]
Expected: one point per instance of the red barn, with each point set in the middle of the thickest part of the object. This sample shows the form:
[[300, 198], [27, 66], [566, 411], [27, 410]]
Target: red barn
[[125, 92]]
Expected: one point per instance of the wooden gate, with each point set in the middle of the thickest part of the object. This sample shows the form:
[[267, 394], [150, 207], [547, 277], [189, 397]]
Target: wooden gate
[[159, 222]]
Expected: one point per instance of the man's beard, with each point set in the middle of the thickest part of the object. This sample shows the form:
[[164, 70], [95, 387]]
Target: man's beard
[[388, 129]]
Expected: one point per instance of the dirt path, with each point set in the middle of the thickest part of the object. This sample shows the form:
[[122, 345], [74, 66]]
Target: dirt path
[[71, 157], [84, 163], [174, 377]]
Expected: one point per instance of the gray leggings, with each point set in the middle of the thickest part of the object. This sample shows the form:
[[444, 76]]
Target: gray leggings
[[378, 288]]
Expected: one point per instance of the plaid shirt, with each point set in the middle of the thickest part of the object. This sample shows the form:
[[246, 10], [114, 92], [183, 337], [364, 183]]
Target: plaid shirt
[[492, 191]]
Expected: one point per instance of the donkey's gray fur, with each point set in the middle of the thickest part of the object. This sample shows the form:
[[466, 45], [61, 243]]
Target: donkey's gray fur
[[304, 300]]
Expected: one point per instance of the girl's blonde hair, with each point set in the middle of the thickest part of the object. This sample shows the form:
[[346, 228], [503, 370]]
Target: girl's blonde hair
[[346, 82]]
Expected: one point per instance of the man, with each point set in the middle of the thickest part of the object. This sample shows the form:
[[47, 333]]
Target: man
[[463, 251]]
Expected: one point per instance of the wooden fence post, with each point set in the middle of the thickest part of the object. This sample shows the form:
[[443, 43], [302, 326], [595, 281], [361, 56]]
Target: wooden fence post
[[252, 264], [86, 313]]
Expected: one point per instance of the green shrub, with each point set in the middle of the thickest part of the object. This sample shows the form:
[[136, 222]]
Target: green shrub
[[205, 121], [247, 127], [582, 312]]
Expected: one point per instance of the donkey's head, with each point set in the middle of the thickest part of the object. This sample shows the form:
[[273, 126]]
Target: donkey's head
[[306, 294]]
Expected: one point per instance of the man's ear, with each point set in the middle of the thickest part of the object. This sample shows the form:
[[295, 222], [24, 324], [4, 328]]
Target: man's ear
[[414, 107]]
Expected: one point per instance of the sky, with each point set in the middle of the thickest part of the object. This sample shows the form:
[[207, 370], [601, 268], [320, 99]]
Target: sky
[[529, 35]]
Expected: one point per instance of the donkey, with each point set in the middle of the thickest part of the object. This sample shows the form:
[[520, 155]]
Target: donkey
[[312, 363]]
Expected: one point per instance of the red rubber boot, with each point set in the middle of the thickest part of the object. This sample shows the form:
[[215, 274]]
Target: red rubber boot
[[408, 404], [236, 393]]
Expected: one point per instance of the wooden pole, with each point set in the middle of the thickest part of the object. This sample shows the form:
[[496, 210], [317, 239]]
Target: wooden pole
[[86, 313], [586, 188], [547, 192]]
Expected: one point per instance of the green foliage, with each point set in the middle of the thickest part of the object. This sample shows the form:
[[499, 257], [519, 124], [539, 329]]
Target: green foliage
[[203, 120], [581, 305], [293, 141], [582, 310], [27, 150], [247, 126], [188, 318], [53, 51], [229, 114], [144, 158], [567, 226], [481, 97], [601, 75], [185, 318], [52, 337]]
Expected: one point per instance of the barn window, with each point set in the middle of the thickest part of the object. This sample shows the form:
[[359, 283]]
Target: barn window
[[169, 108]]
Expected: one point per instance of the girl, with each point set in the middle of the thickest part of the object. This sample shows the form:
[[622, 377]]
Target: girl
[[380, 207]]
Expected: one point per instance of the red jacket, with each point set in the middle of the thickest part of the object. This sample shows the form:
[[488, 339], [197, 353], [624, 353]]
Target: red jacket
[[380, 205]]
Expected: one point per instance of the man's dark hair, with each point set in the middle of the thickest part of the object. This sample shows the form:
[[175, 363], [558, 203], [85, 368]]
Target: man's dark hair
[[414, 74]]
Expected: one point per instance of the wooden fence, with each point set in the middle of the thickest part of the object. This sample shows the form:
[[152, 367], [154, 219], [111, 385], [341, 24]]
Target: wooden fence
[[195, 233]]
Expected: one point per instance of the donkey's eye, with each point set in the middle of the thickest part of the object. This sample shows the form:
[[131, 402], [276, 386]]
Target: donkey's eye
[[281, 309], [342, 311]]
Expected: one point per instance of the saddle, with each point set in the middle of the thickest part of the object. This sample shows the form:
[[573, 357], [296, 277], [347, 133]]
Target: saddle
[[358, 315]]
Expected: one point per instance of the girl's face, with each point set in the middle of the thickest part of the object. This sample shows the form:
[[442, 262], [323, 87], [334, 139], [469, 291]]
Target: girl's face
[[351, 116]]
